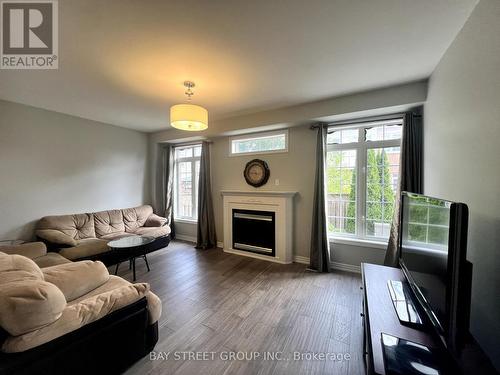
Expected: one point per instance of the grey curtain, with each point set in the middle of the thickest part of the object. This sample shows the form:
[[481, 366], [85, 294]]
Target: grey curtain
[[320, 251], [164, 197], [410, 177], [206, 237]]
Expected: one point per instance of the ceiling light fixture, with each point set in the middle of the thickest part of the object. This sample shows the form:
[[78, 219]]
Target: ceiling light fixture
[[188, 117]]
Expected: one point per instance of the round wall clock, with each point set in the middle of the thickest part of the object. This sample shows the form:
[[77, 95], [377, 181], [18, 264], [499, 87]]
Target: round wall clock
[[256, 172]]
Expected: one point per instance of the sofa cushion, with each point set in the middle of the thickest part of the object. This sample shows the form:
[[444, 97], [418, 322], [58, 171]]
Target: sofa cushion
[[78, 226], [153, 231], [136, 217], [116, 236], [50, 259], [78, 315], [15, 268], [114, 282], [28, 305], [85, 248], [108, 222], [78, 278], [29, 249], [155, 221], [55, 236]]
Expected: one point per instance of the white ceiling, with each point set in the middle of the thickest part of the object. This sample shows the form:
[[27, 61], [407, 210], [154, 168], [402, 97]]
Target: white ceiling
[[123, 61]]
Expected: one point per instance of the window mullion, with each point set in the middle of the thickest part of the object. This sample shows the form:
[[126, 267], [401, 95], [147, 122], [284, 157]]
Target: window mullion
[[362, 184], [193, 188], [176, 187]]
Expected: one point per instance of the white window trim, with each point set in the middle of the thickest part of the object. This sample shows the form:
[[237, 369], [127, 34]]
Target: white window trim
[[361, 148], [194, 197], [256, 136]]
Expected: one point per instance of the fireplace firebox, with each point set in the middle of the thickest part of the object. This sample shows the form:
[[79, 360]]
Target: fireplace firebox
[[254, 231]]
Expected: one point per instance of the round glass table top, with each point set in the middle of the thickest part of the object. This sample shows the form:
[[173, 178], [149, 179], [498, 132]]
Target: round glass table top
[[131, 241]]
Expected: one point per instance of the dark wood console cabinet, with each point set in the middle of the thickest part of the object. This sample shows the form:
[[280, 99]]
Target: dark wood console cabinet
[[380, 316]]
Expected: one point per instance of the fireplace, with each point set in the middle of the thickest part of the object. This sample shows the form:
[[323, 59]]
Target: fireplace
[[254, 231], [259, 224]]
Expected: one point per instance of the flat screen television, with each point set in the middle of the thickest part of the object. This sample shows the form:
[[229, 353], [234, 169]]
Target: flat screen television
[[433, 246]]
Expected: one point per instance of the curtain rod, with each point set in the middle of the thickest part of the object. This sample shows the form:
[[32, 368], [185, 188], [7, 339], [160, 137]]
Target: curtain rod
[[363, 120]]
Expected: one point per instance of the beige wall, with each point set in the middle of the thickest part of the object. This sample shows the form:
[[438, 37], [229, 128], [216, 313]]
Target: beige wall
[[462, 155], [51, 163], [369, 103], [294, 169]]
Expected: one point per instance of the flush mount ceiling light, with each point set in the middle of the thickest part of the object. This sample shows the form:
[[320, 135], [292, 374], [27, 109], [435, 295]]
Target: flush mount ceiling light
[[188, 117]]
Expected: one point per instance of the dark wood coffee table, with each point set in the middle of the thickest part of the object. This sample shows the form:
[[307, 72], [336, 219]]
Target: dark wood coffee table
[[131, 248]]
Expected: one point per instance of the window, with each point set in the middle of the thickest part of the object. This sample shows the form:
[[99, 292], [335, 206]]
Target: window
[[428, 222], [362, 177], [186, 173], [260, 143]]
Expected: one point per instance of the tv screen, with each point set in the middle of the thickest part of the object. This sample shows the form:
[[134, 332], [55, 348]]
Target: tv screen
[[425, 226]]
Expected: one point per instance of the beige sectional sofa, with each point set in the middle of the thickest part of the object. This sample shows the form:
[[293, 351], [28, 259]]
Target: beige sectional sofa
[[85, 236], [47, 299]]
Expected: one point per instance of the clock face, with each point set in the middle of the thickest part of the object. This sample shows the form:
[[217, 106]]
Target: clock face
[[256, 172]]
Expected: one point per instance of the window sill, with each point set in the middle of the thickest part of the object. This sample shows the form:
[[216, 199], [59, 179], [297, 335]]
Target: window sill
[[359, 242], [185, 221]]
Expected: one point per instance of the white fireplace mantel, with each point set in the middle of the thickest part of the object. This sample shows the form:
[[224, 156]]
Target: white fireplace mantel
[[279, 202], [259, 193]]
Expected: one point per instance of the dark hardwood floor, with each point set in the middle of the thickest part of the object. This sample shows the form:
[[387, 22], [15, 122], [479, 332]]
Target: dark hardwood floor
[[218, 304]]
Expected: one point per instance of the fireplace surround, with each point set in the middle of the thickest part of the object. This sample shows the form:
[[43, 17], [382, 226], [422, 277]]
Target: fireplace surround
[[259, 224]]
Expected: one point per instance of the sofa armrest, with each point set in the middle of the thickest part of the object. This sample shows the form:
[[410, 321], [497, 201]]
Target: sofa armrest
[[30, 250], [155, 221], [154, 307], [77, 278], [77, 315], [56, 237]]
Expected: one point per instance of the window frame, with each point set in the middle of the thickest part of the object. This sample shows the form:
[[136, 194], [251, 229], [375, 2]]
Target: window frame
[[258, 135], [361, 147], [195, 182]]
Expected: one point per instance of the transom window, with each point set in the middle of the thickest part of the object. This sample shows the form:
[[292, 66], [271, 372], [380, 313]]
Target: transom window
[[259, 143], [186, 176], [362, 178]]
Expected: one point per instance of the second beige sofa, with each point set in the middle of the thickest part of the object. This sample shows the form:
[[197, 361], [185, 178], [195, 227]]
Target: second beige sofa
[[70, 317], [85, 236]]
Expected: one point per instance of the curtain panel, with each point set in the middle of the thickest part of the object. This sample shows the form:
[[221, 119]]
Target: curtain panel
[[206, 237], [410, 176], [320, 251], [164, 197]]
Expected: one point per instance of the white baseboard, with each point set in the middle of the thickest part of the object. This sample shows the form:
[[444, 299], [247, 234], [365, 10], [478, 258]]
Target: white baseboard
[[183, 237], [300, 259], [333, 265], [220, 244], [345, 267]]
